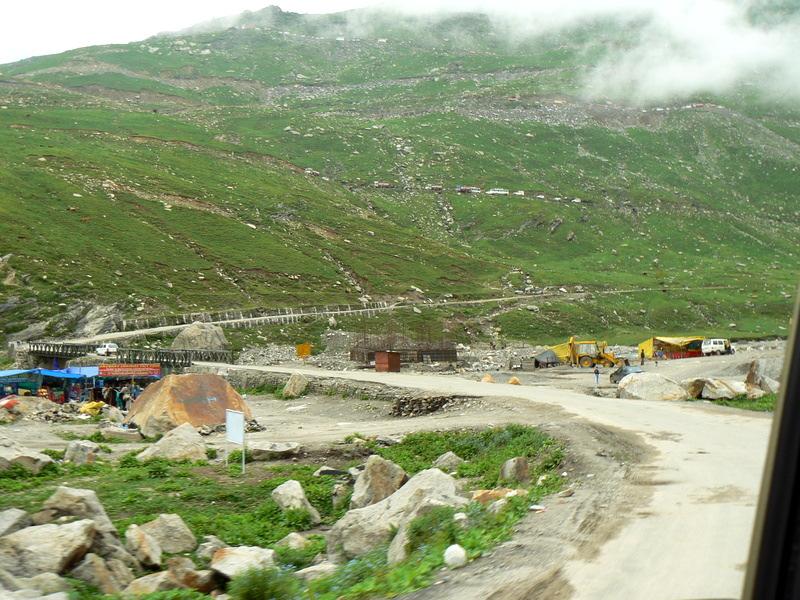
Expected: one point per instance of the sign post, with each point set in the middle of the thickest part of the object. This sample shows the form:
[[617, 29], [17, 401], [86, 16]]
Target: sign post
[[234, 430]]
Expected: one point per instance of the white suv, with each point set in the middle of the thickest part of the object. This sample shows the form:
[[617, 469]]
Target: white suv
[[716, 346], [106, 349]]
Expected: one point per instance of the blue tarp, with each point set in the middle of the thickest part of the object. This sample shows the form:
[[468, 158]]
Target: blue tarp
[[85, 371], [58, 374], [14, 372]]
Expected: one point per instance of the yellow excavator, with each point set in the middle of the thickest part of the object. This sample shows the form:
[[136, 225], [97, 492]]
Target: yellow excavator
[[585, 353]]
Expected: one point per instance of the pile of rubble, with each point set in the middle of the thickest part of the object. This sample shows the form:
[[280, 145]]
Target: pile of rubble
[[33, 408]]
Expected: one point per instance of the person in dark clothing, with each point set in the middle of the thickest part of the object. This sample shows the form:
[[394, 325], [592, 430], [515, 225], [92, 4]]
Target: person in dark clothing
[[596, 375], [641, 357]]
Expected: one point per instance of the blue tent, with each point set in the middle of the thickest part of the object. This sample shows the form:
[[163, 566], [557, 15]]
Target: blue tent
[[84, 371], [14, 372]]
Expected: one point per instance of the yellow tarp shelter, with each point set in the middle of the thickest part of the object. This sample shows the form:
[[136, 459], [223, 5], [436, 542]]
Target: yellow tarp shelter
[[673, 347]]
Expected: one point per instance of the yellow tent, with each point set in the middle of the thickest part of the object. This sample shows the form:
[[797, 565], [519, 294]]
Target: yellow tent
[[673, 347]]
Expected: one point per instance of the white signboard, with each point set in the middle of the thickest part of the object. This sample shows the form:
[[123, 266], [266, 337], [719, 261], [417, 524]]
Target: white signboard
[[234, 426]]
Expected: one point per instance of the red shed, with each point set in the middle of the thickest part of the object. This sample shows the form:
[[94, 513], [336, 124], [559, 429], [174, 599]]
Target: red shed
[[387, 362]]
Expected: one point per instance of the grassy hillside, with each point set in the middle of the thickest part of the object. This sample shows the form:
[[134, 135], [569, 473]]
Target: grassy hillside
[[168, 175]]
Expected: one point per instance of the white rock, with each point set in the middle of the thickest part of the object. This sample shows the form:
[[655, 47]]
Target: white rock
[[181, 443], [650, 386], [290, 496], [455, 557], [81, 452], [171, 533], [236, 559], [46, 548], [12, 453]]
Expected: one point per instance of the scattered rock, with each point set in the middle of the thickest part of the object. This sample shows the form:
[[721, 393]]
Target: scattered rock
[[210, 544], [455, 557], [340, 494], [13, 519], [93, 570], [449, 461], [296, 386], [81, 452], [236, 559], [380, 479], [143, 546], [273, 450], [155, 582], [46, 548], [488, 496], [112, 413], [515, 469], [514, 381], [181, 443], [201, 336], [171, 533], [326, 470], [290, 496], [45, 583], [295, 541], [12, 453], [121, 434], [711, 388], [319, 571], [364, 529], [497, 506], [650, 386], [185, 572]]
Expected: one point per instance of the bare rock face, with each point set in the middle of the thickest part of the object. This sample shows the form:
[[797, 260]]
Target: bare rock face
[[515, 469], [81, 452], [290, 496], [296, 386], [364, 529], [46, 548], [171, 533], [12, 453], [650, 386], [143, 546], [94, 571], [13, 519], [201, 336], [449, 461], [380, 479], [231, 561], [181, 443], [273, 450]]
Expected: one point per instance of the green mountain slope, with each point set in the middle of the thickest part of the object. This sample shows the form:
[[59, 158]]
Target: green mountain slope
[[168, 176]]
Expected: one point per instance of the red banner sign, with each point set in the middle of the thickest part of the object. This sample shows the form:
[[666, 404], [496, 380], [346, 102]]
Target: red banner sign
[[122, 370]]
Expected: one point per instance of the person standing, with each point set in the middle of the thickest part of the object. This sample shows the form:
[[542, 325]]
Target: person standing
[[641, 357], [596, 375]]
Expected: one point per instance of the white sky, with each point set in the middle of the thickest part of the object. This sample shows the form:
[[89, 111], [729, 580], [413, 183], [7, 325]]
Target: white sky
[[36, 27]]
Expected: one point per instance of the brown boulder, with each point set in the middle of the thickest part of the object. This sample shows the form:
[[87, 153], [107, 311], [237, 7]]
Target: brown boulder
[[380, 479]]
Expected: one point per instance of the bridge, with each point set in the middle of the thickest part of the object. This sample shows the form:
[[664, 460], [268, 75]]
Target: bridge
[[164, 357]]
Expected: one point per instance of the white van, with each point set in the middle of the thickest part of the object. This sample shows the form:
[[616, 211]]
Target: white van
[[107, 349], [716, 346]]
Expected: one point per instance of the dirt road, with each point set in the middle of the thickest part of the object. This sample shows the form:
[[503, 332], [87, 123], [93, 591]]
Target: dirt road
[[690, 538]]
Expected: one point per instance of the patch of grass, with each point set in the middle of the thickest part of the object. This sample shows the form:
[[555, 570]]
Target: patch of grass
[[97, 437], [301, 558], [263, 584], [484, 451], [764, 404]]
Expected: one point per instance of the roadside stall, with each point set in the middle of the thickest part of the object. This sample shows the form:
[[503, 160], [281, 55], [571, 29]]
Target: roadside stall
[[672, 347]]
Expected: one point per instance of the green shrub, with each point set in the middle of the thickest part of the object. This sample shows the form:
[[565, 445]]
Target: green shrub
[[303, 557], [54, 454], [435, 528], [235, 457], [211, 453], [157, 469], [264, 584]]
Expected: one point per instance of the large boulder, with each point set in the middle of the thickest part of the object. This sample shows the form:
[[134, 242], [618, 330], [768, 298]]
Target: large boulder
[[764, 374], [380, 479], [84, 504], [231, 561], [143, 546], [650, 386], [46, 548], [12, 453], [13, 519], [81, 452], [290, 496], [713, 388], [201, 336], [296, 386], [94, 571], [171, 533], [195, 398], [273, 450], [182, 443], [364, 529]]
